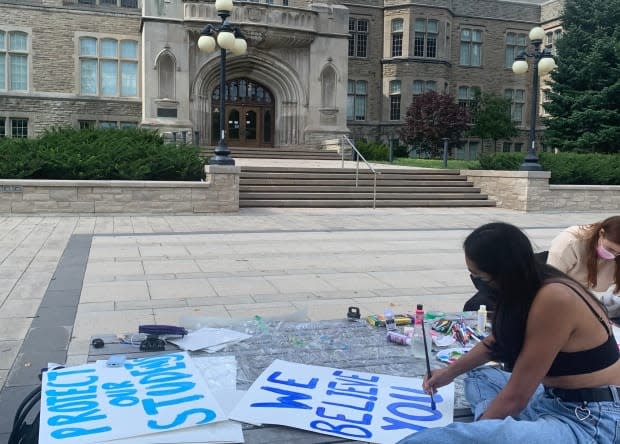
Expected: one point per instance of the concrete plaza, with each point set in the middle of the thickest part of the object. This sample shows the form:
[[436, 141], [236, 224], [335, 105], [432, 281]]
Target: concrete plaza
[[64, 279]]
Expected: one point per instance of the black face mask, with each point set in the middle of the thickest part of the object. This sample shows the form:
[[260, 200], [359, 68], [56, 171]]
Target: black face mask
[[483, 286]]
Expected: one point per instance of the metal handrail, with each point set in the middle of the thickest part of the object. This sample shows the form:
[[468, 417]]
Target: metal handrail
[[359, 156]]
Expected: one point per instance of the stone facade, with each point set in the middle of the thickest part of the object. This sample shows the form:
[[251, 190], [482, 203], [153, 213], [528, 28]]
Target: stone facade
[[220, 193], [297, 49], [52, 96], [530, 191]]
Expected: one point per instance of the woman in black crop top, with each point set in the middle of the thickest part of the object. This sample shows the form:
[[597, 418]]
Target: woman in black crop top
[[556, 340]]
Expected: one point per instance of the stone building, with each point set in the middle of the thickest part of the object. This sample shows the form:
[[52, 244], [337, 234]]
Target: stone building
[[313, 71]]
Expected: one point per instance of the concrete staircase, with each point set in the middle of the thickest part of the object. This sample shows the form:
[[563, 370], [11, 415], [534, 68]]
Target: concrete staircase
[[265, 186]]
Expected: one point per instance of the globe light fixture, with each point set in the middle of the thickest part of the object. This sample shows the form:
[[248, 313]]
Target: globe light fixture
[[228, 38], [543, 63]]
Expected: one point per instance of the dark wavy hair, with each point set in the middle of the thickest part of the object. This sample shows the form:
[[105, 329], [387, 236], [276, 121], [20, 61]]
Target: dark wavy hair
[[505, 253]]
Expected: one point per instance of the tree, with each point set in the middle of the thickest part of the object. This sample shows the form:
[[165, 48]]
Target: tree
[[432, 117], [584, 112], [492, 119]]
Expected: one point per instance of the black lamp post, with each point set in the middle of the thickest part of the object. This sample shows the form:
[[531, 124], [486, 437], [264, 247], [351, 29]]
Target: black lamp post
[[228, 38], [543, 63]]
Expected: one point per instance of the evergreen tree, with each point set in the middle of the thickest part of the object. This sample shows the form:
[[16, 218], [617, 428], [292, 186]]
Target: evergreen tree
[[584, 111], [492, 119], [432, 117]]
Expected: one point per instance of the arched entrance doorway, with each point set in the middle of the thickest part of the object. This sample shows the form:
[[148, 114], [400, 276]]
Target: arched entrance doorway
[[249, 114]]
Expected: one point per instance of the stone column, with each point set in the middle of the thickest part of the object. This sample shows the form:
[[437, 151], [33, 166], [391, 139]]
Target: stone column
[[222, 193]]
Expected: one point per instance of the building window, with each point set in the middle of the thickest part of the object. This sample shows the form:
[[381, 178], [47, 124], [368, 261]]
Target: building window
[[506, 147], [13, 61], [397, 38], [469, 151], [357, 92], [108, 67], [425, 38], [467, 96], [13, 127], [105, 124], [423, 86], [395, 100], [471, 47], [517, 99], [358, 37], [549, 38], [518, 147], [515, 44]]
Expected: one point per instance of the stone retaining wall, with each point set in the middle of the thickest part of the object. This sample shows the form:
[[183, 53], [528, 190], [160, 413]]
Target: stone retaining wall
[[219, 193], [530, 191]]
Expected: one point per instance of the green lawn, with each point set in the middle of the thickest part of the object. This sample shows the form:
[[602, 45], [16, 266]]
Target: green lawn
[[436, 163]]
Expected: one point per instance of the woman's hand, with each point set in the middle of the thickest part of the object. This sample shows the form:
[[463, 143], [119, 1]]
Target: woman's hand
[[439, 378]]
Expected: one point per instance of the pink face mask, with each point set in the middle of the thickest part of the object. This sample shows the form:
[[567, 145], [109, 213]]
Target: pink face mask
[[603, 253]]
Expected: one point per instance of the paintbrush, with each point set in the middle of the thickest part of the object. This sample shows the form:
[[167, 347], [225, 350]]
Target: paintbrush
[[428, 365]]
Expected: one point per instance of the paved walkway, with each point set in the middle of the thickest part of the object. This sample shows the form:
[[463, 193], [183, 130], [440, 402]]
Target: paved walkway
[[63, 279]]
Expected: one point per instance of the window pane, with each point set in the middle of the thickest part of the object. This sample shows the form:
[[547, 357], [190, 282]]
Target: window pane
[[108, 78], [519, 95], [1, 40], [2, 127], [463, 92], [431, 46], [362, 39], [88, 76], [108, 48], [510, 38], [360, 108], [433, 26], [362, 25], [395, 87], [129, 79], [350, 106], [107, 124], [475, 55], [360, 87], [476, 36], [418, 45], [521, 39], [129, 49], [464, 54], [2, 72], [129, 125], [465, 35], [420, 25], [86, 124], [509, 56], [88, 47], [350, 86], [397, 25], [18, 72], [18, 41], [431, 85], [417, 87]]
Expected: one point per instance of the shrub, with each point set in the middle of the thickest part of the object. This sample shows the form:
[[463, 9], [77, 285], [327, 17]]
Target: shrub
[[566, 168], [107, 154], [373, 151]]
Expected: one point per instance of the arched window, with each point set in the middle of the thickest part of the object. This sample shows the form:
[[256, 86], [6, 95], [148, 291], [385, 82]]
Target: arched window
[[328, 87], [166, 72]]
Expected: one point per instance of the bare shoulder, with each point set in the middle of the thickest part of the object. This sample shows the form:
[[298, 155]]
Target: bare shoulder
[[555, 300]]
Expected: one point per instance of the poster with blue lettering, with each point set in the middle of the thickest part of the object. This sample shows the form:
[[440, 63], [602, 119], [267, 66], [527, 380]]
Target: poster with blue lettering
[[94, 403], [345, 403]]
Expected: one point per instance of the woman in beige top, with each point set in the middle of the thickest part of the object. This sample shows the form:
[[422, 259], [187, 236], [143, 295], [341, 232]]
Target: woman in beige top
[[590, 254]]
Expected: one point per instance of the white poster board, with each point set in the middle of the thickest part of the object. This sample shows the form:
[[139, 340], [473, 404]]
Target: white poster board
[[345, 403], [94, 403]]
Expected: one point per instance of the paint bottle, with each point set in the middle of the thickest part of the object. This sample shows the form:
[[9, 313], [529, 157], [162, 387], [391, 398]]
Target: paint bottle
[[418, 338], [398, 338], [388, 317], [482, 318]]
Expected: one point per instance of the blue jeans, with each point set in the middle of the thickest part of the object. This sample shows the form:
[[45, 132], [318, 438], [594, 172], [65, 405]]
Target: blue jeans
[[545, 420]]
